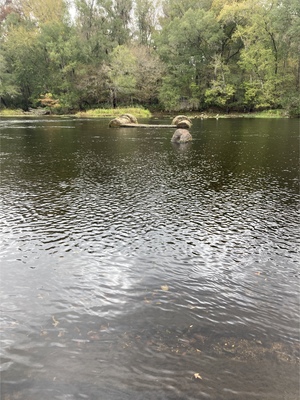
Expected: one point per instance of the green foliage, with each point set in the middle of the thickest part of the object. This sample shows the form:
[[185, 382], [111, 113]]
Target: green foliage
[[7, 112], [25, 61], [171, 54], [291, 103], [187, 44], [219, 95], [145, 15], [169, 94], [149, 71], [121, 75], [122, 70], [8, 88]]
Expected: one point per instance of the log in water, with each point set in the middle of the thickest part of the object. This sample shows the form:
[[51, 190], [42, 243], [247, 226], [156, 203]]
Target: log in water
[[146, 126]]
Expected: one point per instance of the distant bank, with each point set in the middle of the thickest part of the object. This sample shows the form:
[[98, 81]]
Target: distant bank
[[142, 113]]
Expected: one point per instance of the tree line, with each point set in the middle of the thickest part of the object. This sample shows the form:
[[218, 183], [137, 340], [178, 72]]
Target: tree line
[[230, 55]]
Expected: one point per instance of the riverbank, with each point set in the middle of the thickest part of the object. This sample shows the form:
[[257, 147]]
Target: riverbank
[[94, 113], [143, 113]]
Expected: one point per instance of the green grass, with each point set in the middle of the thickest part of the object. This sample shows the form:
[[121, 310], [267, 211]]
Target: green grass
[[7, 112], [255, 114], [144, 113], [267, 114], [115, 112]]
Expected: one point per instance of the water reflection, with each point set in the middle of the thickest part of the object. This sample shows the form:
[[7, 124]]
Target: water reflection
[[130, 264]]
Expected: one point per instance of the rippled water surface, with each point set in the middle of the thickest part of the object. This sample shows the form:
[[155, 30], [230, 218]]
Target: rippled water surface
[[132, 268]]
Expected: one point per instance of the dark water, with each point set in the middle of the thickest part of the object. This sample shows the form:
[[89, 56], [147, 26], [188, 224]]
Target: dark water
[[129, 264]]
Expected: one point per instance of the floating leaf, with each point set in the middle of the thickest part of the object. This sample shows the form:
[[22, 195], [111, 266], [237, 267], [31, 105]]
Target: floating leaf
[[164, 287]]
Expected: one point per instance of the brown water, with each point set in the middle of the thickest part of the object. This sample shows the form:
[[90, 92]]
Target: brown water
[[129, 264]]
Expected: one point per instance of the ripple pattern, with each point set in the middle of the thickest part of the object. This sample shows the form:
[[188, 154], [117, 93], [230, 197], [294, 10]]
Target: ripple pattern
[[119, 246]]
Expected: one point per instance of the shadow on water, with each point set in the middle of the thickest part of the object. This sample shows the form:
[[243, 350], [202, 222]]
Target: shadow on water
[[133, 268]]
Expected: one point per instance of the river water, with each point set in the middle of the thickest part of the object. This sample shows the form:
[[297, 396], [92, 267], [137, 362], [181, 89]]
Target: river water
[[136, 269]]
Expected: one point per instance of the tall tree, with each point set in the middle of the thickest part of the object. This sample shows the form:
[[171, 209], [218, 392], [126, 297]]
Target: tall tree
[[122, 72], [43, 11], [61, 53], [120, 20], [264, 29], [146, 16], [93, 30], [188, 45], [177, 8], [8, 87], [25, 60], [148, 73]]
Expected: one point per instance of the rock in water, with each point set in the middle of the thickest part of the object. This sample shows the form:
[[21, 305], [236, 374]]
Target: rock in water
[[132, 119], [123, 119], [184, 124], [181, 136], [180, 118]]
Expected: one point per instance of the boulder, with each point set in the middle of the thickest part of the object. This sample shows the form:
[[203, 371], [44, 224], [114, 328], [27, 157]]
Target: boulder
[[121, 120], [184, 124], [132, 119], [180, 118], [181, 136]]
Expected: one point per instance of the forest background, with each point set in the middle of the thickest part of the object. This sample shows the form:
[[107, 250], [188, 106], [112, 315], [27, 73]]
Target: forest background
[[164, 55]]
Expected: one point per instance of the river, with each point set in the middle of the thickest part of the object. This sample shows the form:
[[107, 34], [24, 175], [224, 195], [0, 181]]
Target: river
[[136, 269]]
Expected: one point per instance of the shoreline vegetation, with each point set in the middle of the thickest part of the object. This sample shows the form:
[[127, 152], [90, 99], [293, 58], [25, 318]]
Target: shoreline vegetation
[[141, 113], [170, 56]]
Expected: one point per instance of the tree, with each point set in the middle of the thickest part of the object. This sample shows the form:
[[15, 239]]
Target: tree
[[92, 85], [61, 53], [25, 60], [122, 71], [265, 57], [43, 11], [93, 30], [146, 16], [120, 18], [149, 71], [188, 45], [221, 91], [8, 88], [193, 54], [177, 8]]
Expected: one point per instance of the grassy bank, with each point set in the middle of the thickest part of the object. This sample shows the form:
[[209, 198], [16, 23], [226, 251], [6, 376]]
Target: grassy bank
[[7, 112], [256, 114], [144, 113], [115, 112], [95, 113]]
